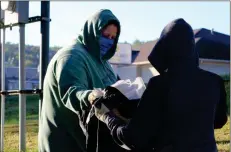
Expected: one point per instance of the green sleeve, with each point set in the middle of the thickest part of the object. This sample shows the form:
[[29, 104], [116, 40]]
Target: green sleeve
[[73, 85]]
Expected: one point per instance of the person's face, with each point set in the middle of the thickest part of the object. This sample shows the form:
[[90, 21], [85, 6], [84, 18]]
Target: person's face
[[110, 31]]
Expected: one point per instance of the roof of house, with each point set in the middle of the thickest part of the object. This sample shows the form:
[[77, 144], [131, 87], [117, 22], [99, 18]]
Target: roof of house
[[212, 35], [210, 49], [145, 50], [210, 45]]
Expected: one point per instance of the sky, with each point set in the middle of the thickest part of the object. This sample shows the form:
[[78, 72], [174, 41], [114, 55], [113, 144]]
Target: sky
[[139, 20]]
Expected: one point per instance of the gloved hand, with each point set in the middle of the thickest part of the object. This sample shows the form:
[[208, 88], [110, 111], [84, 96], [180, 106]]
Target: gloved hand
[[96, 93], [100, 111]]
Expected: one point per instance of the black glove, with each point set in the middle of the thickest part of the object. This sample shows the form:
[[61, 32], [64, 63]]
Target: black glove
[[113, 98], [100, 111]]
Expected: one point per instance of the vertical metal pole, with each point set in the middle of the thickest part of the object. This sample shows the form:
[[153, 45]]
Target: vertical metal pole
[[0, 69], [3, 89], [44, 49], [22, 97]]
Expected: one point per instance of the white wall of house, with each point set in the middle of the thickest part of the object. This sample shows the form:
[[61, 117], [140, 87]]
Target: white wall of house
[[126, 71], [220, 69], [146, 71]]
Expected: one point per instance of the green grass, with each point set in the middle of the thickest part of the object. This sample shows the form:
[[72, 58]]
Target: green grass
[[227, 88], [11, 136]]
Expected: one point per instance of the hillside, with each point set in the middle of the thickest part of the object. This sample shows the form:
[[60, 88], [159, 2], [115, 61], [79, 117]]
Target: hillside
[[31, 55]]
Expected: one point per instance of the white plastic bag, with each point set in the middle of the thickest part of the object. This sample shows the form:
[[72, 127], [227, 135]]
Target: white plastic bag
[[132, 90], [139, 86], [123, 85]]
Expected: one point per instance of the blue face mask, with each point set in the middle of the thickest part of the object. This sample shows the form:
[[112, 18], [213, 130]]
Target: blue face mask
[[105, 44]]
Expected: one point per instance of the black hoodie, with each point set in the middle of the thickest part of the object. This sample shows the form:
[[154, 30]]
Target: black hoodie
[[181, 107]]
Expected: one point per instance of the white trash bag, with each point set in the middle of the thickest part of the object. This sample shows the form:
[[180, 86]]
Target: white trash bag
[[132, 90]]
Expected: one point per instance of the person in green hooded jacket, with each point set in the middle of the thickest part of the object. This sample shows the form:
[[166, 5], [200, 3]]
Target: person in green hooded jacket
[[71, 77]]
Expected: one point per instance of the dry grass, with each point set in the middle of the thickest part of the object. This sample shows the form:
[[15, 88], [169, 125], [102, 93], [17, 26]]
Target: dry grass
[[11, 138], [223, 138]]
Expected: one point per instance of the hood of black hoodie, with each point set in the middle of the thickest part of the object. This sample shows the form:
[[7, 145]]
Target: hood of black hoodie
[[175, 47]]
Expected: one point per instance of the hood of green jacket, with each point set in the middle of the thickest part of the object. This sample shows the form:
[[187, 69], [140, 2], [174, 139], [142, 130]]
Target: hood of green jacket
[[91, 33]]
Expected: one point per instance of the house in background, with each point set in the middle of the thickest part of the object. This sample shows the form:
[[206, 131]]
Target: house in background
[[12, 78], [32, 76], [213, 49]]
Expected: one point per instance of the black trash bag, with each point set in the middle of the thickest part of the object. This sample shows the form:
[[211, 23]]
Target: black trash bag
[[114, 99], [97, 131]]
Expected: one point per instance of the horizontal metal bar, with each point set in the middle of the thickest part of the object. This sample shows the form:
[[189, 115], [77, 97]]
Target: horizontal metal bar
[[34, 19], [16, 92], [30, 20]]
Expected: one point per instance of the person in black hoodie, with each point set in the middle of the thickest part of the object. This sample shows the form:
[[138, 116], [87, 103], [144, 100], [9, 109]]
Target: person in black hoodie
[[180, 107]]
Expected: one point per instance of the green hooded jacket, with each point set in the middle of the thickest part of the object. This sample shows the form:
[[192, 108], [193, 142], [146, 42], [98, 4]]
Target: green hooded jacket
[[71, 75]]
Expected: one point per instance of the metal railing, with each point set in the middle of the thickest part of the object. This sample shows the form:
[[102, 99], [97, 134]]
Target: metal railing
[[22, 92]]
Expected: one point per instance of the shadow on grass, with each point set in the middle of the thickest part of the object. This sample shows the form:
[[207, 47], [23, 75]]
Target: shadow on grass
[[223, 142]]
